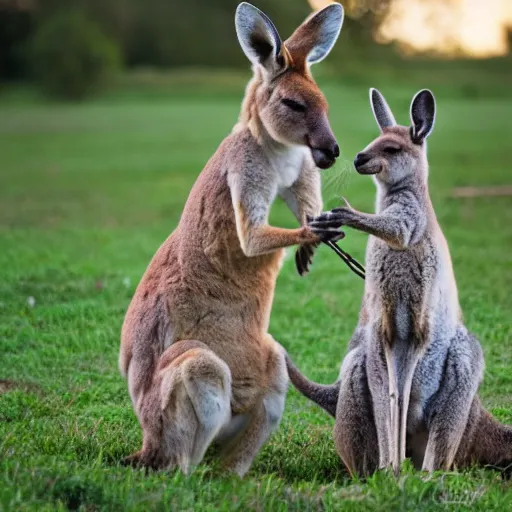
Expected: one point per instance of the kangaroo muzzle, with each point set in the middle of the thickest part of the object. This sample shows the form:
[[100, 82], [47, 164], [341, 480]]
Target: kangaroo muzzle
[[323, 145], [326, 156], [366, 164]]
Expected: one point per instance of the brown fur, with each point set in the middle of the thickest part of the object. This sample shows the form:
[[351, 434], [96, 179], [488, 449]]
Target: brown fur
[[195, 349], [485, 441]]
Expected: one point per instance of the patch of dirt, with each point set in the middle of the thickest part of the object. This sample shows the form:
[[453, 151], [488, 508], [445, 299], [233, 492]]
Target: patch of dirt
[[501, 191], [7, 385]]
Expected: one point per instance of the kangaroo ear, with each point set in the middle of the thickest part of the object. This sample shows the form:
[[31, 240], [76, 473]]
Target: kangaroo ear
[[314, 39], [381, 110], [423, 115], [257, 36]]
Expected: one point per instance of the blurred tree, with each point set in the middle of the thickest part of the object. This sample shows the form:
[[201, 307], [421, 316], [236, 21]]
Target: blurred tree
[[358, 8], [169, 33], [16, 26], [71, 56], [184, 33]]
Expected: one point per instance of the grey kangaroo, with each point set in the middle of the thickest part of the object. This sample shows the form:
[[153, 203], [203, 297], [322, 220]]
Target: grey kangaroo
[[408, 384]]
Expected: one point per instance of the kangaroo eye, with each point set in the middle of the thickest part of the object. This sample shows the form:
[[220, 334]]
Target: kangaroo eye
[[294, 105], [391, 150]]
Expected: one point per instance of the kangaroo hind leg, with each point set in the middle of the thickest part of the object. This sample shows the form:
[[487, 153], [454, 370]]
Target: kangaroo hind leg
[[379, 385], [240, 448], [394, 410], [448, 413], [401, 359], [355, 434], [207, 381], [187, 405], [411, 361]]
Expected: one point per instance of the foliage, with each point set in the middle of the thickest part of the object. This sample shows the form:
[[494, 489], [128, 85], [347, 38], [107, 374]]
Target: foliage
[[16, 28], [71, 56], [163, 33]]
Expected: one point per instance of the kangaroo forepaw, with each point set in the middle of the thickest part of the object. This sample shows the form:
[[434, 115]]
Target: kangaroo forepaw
[[336, 218], [328, 234], [304, 258]]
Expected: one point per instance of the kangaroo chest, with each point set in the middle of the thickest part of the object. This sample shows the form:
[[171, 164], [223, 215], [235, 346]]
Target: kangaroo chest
[[400, 284], [287, 164]]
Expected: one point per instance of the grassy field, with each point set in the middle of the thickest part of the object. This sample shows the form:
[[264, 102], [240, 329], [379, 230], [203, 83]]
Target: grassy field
[[87, 194]]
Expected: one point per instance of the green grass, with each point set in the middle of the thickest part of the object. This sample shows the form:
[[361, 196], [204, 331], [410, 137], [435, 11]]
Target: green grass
[[87, 194]]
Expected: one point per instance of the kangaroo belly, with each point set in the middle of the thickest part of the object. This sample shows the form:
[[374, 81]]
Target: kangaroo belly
[[426, 382], [402, 283]]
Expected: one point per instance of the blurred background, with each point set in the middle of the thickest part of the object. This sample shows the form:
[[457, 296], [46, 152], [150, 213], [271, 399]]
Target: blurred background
[[103, 100], [71, 48]]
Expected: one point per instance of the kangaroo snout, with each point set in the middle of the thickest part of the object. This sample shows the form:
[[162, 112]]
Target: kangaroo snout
[[361, 159], [336, 150], [360, 163], [321, 141], [325, 157]]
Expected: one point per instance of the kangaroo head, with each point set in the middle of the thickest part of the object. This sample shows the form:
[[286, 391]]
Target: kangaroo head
[[282, 100], [399, 151]]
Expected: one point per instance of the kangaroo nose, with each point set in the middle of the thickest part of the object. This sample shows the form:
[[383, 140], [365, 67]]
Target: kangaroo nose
[[332, 151], [361, 159]]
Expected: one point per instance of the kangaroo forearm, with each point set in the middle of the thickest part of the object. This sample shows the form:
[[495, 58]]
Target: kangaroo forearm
[[304, 198], [396, 232], [309, 202], [265, 239]]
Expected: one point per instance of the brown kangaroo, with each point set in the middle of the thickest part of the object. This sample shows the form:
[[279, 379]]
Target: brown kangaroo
[[200, 364], [408, 384]]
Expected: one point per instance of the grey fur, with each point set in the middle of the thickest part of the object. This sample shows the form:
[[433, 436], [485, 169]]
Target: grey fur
[[257, 35], [325, 396], [329, 21], [381, 110], [408, 383], [423, 115]]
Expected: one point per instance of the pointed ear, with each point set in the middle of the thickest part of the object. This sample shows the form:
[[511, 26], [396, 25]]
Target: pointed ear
[[423, 115], [258, 36], [314, 39], [381, 110]]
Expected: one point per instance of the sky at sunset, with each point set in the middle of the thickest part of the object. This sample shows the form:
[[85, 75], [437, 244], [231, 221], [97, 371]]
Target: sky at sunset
[[451, 27]]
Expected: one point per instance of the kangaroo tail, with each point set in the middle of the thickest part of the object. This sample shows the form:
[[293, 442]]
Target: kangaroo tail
[[324, 396], [494, 443], [489, 442]]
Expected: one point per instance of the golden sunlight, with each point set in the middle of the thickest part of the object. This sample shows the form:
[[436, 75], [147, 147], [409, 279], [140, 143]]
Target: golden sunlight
[[448, 27]]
